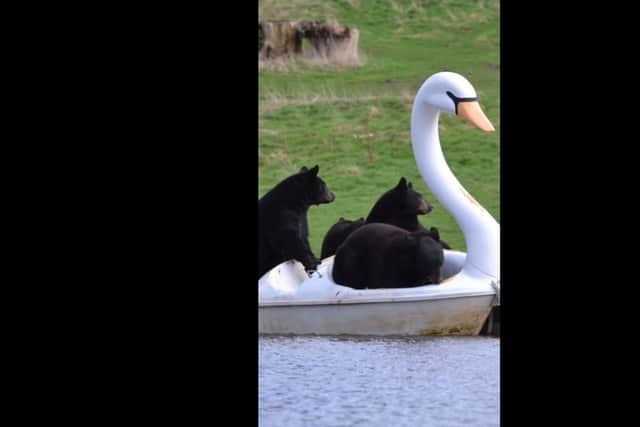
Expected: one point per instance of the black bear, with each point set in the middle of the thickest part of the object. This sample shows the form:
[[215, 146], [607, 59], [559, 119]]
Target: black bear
[[399, 206], [283, 230], [337, 234], [380, 255]]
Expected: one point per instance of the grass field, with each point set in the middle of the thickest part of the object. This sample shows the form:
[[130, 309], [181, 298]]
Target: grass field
[[355, 122]]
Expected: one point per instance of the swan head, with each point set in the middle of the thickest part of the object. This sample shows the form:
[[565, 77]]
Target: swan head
[[452, 93]]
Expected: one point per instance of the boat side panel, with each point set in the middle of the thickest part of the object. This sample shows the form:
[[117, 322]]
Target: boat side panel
[[455, 316]]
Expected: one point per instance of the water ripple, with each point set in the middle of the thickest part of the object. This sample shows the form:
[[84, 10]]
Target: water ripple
[[318, 381]]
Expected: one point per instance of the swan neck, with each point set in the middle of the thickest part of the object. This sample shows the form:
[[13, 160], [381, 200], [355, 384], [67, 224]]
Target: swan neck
[[479, 228]]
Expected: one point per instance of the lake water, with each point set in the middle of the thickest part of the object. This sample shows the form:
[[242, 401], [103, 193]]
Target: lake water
[[430, 381]]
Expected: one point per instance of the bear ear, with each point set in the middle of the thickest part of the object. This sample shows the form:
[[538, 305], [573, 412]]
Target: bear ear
[[314, 170], [303, 169], [341, 219], [410, 186], [402, 184]]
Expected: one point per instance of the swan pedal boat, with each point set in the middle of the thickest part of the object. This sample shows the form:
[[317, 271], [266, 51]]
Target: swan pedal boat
[[291, 302]]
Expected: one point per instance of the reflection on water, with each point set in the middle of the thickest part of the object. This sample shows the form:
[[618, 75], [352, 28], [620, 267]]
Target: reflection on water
[[319, 381]]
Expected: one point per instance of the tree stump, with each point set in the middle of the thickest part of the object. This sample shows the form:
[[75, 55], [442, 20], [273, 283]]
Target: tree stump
[[328, 41], [280, 39]]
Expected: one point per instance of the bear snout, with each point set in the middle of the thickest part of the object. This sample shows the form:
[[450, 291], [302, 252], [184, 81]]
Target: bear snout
[[330, 197], [424, 207]]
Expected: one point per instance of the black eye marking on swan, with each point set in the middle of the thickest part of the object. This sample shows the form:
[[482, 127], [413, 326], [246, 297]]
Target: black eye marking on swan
[[456, 100]]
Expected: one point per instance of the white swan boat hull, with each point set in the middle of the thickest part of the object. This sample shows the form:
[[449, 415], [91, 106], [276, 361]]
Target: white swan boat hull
[[291, 303], [450, 316]]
